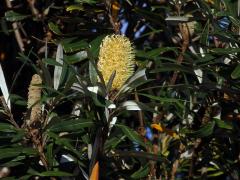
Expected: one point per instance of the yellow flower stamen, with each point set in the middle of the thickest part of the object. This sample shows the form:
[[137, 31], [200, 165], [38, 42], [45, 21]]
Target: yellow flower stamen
[[116, 54]]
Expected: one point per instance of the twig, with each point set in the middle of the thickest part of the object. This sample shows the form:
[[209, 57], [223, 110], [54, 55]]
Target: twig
[[140, 113], [185, 36], [37, 139], [176, 162], [11, 119], [34, 10], [16, 29], [194, 157], [113, 9], [138, 154]]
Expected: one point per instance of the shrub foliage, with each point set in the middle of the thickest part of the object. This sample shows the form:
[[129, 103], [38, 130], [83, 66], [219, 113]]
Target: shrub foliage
[[176, 117]]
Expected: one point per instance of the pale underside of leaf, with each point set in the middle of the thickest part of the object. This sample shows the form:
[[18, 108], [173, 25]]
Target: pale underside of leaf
[[58, 69], [3, 87]]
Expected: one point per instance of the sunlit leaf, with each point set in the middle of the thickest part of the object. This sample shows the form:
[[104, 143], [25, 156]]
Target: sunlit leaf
[[54, 28], [14, 16]]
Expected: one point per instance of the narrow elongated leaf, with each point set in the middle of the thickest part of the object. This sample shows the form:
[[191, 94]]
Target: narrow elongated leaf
[[8, 153], [54, 28], [152, 54], [222, 124], [236, 72], [77, 7], [205, 131], [178, 102], [73, 44], [141, 173], [52, 62], [65, 143], [131, 134], [5, 127], [95, 46], [92, 73], [55, 173], [14, 16], [15, 151], [165, 67], [205, 33], [58, 69], [131, 106], [18, 100], [71, 125], [113, 142], [3, 87], [141, 155], [76, 58], [139, 75]]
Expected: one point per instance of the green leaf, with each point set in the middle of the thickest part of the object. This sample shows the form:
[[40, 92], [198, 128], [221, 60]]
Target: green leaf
[[49, 154], [236, 72], [150, 16], [13, 16], [9, 153], [73, 44], [165, 67], [86, 1], [152, 54], [55, 173], [76, 58], [204, 131], [224, 51], [95, 46], [205, 33], [141, 155], [216, 174], [92, 73], [113, 142], [77, 7], [52, 62], [65, 143], [9, 178], [222, 124], [5, 127], [18, 100], [16, 151], [179, 102], [71, 125], [11, 164], [131, 134], [54, 28], [141, 173], [19, 136]]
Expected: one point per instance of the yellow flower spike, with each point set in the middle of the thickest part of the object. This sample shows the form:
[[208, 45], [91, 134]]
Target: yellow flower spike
[[116, 54]]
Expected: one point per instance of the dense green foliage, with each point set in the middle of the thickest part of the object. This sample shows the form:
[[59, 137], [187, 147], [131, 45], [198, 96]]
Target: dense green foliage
[[176, 117]]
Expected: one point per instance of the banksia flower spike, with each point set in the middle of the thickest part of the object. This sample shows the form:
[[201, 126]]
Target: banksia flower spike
[[34, 95], [116, 54]]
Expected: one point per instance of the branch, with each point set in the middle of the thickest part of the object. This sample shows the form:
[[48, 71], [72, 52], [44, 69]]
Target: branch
[[185, 36], [113, 10], [34, 10], [16, 29], [176, 162]]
